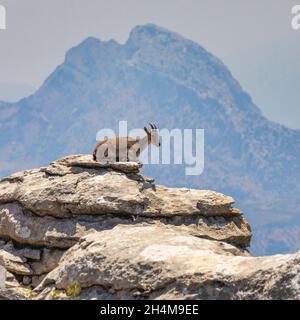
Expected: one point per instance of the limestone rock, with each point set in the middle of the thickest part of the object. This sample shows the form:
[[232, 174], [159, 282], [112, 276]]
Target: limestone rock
[[14, 263], [36, 280], [75, 188], [26, 228], [63, 233], [117, 234], [27, 253], [86, 161], [11, 280], [18, 293], [78, 185], [50, 260], [2, 277], [158, 262]]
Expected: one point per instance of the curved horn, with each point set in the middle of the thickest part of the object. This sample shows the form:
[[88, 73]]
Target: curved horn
[[151, 125]]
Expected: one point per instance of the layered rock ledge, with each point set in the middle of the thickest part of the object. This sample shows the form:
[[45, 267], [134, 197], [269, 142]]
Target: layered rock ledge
[[112, 233]]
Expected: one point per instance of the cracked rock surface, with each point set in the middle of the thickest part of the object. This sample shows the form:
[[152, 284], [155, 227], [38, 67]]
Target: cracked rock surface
[[113, 232], [158, 262]]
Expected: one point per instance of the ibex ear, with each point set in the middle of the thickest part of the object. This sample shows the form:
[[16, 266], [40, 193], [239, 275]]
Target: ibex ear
[[147, 131]]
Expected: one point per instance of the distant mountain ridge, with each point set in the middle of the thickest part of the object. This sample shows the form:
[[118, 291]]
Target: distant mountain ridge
[[162, 77]]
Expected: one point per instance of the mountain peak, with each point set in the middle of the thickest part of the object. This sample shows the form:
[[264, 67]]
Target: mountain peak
[[90, 48], [150, 31], [150, 38], [90, 41]]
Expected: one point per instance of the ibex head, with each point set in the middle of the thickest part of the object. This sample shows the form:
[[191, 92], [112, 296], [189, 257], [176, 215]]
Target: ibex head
[[153, 134]]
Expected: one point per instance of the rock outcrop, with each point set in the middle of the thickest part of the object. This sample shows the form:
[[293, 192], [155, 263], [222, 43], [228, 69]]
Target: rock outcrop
[[81, 229]]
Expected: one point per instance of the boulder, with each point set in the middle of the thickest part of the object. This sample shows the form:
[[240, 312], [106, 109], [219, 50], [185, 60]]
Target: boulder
[[2, 277], [14, 263], [68, 187], [158, 262]]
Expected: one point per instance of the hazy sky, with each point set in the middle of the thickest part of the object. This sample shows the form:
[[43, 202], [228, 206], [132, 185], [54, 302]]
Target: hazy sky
[[253, 38]]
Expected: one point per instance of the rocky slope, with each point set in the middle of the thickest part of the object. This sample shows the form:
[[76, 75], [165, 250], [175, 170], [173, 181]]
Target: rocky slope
[[78, 229]]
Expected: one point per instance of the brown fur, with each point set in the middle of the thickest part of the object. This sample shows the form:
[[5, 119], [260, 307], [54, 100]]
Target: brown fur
[[130, 142], [96, 148]]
